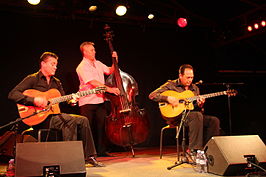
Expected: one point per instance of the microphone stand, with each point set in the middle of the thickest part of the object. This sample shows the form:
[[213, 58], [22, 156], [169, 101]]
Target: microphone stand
[[181, 126], [16, 126], [229, 109], [20, 119], [227, 85]]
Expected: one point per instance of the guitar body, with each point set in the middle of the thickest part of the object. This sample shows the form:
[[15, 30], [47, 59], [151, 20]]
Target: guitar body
[[169, 111], [186, 99], [25, 111]]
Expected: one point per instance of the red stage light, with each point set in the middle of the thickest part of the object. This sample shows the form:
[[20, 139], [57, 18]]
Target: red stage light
[[182, 22]]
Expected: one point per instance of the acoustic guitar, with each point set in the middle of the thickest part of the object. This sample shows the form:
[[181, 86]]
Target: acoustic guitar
[[54, 98], [186, 99]]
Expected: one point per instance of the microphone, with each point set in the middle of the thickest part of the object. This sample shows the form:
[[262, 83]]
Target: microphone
[[199, 82]]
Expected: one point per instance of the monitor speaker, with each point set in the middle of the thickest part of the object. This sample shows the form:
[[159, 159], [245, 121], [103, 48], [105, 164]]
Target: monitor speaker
[[64, 157], [226, 154]]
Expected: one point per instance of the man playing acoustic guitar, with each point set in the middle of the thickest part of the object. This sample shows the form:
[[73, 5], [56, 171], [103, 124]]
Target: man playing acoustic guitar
[[41, 91], [173, 93]]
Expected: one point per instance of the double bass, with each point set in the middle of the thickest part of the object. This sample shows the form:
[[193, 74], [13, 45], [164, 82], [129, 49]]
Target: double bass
[[127, 125]]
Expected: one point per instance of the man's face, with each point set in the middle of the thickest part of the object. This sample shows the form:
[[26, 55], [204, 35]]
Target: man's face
[[89, 52], [49, 66], [187, 78]]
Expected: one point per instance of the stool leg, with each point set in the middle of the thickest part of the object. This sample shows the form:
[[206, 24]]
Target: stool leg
[[161, 141], [39, 135]]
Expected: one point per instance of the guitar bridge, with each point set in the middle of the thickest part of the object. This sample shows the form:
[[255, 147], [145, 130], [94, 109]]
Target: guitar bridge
[[124, 110]]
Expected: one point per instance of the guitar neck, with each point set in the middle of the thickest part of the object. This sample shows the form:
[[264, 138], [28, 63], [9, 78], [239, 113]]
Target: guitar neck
[[207, 95], [70, 96]]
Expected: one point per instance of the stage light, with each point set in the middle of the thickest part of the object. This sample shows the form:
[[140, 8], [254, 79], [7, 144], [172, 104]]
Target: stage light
[[249, 28], [150, 16], [263, 23], [92, 8], [121, 10], [256, 26], [34, 2], [182, 22]]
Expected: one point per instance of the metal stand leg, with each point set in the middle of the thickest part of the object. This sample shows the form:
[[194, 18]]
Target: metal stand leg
[[181, 126]]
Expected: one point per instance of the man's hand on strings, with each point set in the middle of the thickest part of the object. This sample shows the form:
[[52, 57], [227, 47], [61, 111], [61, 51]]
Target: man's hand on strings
[[173, 101], [114, 55], [41, 102], [113, 90], [201, 101], [74, 100]]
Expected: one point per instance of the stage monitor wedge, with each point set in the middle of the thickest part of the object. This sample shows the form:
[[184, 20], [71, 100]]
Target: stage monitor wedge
[[31, 158], [226, 153]]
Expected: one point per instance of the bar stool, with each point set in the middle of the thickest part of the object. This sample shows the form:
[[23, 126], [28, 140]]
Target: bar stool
[[161, 136]]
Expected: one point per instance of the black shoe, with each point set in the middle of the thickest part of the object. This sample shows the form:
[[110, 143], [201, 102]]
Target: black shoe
[[104, 154], [94, 162]]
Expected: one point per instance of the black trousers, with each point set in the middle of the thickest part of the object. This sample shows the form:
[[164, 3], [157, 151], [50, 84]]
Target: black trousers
[[74, 127], [96, 114], [201, 128]]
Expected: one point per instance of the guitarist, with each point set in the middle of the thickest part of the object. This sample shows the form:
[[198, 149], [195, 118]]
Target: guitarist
[[44, 80], [196, 121]]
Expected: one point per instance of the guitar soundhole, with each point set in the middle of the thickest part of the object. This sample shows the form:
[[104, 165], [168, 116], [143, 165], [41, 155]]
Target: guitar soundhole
[[181, 101]]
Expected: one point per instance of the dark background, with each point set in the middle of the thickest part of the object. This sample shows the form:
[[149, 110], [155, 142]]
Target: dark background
[[151, 53]]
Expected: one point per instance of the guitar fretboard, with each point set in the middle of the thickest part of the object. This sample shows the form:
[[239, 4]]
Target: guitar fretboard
[[207, 95], [70, 96]]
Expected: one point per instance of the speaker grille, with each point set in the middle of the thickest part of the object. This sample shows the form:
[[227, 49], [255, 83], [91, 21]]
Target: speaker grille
[[226, 153], [32, 157]]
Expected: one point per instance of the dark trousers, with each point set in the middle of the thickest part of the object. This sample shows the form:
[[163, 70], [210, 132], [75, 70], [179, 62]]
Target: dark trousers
[[201, 128], [96, 114], [74, 127]]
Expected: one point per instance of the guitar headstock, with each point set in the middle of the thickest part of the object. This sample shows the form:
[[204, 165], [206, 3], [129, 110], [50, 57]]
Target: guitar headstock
[[231, 92], [100, 90]]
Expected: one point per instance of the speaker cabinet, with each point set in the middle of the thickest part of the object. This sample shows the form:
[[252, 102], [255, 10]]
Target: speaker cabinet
[[226, 153], [65, 156]]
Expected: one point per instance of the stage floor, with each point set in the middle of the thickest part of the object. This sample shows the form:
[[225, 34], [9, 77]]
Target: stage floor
[[146, 163]]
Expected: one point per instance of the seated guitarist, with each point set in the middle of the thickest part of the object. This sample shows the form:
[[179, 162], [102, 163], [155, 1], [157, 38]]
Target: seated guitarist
[[71, 125], [196, 121]]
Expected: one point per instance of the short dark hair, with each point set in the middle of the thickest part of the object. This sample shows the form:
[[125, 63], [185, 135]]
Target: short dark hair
[[183, 67], [45, 55], [85, 43]]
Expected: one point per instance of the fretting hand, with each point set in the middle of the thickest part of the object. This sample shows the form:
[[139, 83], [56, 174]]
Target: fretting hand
[[200, 101], [74, 100], [114, 55]]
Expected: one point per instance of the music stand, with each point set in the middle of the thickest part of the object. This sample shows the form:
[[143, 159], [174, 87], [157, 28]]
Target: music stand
[[181, 126]]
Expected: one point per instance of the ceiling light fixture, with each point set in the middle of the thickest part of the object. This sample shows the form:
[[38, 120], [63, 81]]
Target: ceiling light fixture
[[121, 10], [150, 16], [34, 2]]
